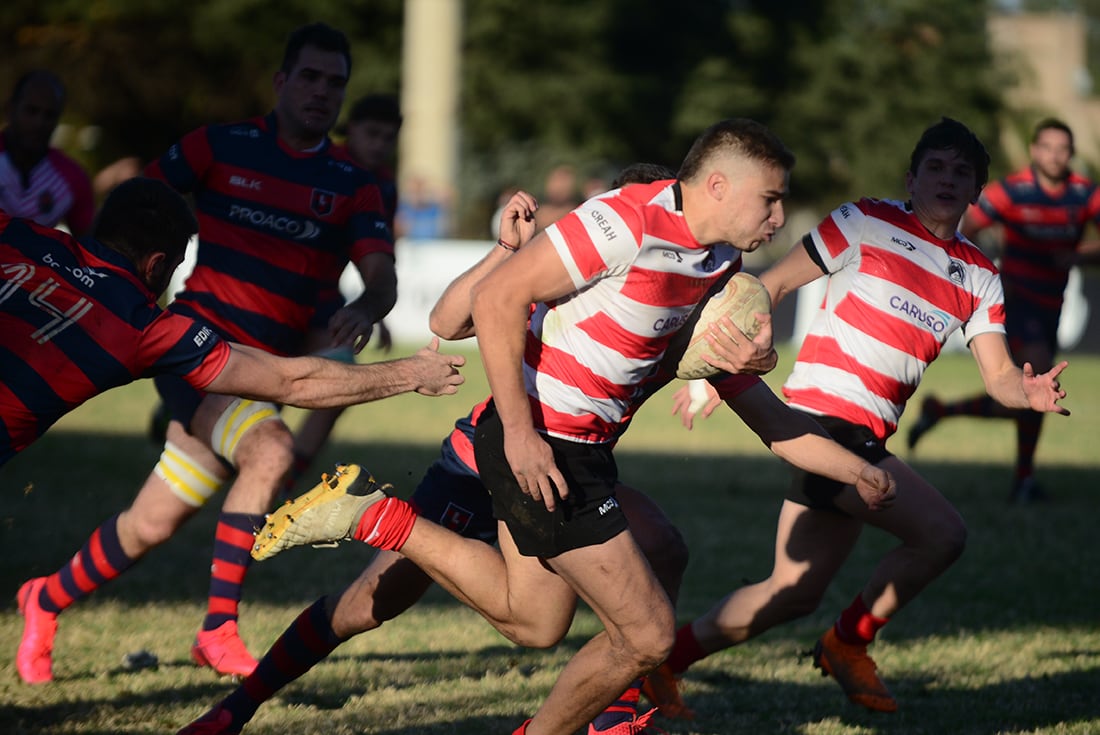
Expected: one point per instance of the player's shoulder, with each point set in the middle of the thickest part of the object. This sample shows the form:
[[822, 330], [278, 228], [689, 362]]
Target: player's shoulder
[[1021, 179], [1080, 181], [859, 210]]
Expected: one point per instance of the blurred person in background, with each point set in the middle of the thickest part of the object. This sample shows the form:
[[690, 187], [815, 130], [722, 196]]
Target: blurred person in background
[[559, 196], [36, 181], [423, 213]]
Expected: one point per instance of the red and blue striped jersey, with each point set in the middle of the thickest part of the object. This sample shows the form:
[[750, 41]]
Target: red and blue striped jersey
[[75, 320], [1039, 226], [276, 229]]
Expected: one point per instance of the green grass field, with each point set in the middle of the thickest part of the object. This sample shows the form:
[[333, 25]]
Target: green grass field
[[1007, 641]]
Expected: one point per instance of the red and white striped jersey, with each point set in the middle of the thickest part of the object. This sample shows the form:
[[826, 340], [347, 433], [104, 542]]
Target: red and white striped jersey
[[895, 293], [592, 357], [56, 190]]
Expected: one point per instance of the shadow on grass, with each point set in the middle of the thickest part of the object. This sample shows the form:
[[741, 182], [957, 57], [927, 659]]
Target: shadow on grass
[[332, 700], [1025, 568], [1023, 565]]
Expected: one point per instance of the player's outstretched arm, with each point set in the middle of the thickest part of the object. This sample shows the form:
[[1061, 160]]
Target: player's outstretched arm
[[314, 382], [1014, 387], [800, 440]]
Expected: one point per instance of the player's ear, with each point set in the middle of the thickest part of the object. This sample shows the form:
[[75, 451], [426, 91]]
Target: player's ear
[[154, 272], [278, 80], [717, 184]]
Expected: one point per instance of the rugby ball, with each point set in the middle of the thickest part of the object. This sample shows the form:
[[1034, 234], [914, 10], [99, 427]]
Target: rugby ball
[[741, 298]]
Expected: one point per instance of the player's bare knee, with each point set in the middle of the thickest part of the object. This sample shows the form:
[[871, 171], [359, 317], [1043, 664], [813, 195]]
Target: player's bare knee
[[648, 646], [948, 543], [645, 643], [141, 532], [248, 432]]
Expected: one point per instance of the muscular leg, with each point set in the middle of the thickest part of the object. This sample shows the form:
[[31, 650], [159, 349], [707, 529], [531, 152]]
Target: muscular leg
[[810, 546], [617, 583], [262, 456], [931, 531], [112, 548], [524, 600]]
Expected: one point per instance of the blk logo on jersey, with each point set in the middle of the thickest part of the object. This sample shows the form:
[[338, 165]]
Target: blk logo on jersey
[[322, 202]]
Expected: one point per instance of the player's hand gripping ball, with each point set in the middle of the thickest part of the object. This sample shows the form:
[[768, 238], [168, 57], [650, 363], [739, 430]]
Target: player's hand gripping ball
[[741, 299]]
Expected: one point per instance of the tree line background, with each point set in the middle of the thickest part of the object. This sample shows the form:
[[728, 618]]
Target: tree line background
[[848, 84]]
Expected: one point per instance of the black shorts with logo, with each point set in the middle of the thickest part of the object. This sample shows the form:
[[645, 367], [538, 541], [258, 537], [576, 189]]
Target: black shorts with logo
[[589, 516], [817, 492]]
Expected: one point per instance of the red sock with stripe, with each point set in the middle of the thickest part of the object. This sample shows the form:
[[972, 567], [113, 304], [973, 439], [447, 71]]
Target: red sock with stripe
[[100, 560], [233, 541], [386, 524]]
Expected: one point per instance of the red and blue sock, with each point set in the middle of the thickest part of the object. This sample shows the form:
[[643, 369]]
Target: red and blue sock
[[233, 542], [100, 560]]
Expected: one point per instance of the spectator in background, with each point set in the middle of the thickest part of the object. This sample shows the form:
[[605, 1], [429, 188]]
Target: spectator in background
[[423, 213], [373, 126], [559, 196], [1042, 212], [36, 181]]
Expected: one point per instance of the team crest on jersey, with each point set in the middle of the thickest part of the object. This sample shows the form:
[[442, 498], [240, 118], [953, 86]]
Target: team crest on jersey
[[322, 202], [956, 272], [456, 518]]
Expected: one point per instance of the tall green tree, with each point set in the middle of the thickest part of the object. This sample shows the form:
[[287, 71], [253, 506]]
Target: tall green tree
[[145, 73]]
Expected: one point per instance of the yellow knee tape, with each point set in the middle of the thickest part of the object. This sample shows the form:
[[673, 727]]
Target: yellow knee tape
[[240, 416], [188, 480]]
